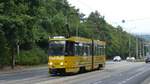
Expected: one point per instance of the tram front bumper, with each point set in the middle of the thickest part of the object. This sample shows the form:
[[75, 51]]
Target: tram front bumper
[[57, 70]]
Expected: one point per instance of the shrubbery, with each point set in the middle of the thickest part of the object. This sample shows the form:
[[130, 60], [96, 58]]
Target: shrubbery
[[32, 57], [4, 51]]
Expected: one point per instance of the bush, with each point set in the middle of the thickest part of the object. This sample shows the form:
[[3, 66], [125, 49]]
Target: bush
[[4, 51], [32, 57]]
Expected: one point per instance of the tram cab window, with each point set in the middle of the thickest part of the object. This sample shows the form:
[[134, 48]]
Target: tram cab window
[[69, 48], [56, 48]]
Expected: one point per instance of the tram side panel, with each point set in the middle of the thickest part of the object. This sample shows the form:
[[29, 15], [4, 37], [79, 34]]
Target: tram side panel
[[83, 51], [99, 57]]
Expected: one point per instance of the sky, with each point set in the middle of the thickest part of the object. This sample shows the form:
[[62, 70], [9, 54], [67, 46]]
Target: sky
[[136, 13]]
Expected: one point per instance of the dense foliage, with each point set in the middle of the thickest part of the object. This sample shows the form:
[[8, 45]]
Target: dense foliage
[[28, 23]]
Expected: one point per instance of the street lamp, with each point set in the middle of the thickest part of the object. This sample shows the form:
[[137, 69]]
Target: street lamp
[[123, 21]]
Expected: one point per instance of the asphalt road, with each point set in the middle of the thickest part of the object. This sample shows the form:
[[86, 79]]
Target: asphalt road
[[113, 73]]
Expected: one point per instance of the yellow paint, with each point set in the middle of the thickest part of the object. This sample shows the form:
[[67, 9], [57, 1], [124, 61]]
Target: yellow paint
[[73, 63]]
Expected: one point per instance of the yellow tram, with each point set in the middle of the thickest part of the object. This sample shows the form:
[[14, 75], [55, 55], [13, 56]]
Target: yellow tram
[[75, 54]]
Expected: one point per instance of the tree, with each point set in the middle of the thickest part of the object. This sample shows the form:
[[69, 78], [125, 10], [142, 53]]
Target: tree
[[97, 23], [29, 23], [4, 55]]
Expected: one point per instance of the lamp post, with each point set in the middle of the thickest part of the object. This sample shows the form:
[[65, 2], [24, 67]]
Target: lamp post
[[137, 50], [123, 21]]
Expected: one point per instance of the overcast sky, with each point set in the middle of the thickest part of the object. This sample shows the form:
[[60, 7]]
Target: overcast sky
[[136, 13]]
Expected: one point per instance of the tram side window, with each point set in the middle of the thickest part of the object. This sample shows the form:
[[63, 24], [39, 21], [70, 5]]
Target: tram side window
[[103, 50], [87, 50], [99, 50], [77, 49], [90, 49], [69, 51], [95, 50], [82, 49]]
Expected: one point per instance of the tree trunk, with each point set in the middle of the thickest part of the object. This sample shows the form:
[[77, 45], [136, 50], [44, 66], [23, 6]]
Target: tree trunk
[[13, 58]]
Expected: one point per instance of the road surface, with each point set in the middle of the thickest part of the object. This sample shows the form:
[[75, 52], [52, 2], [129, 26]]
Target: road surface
[[113, 73]]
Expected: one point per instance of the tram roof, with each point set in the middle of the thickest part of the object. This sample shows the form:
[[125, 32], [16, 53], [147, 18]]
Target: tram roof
[[74, 39], [78, 39], [100, 42], [57, 39]]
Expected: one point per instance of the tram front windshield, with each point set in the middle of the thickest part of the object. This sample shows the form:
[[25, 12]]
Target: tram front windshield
[[56, 48]]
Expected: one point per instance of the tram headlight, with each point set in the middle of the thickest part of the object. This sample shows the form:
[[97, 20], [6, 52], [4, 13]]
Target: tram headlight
[[61, 63], [50, 63]]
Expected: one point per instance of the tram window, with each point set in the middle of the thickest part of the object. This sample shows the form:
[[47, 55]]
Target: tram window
[[82, 49], [99, 50], [56, 48], [95, 50], [90, 50], [69, 50], [86, 50], [103, 50], [78, 49]]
